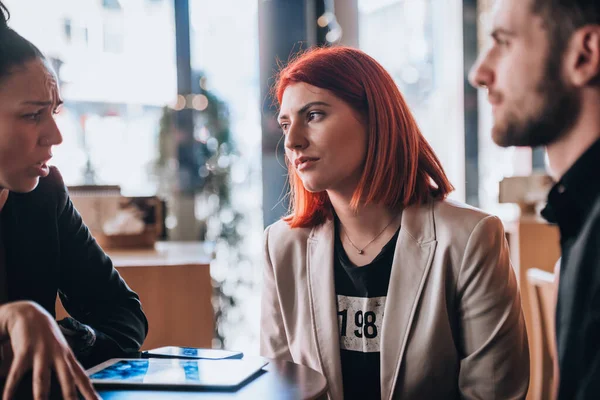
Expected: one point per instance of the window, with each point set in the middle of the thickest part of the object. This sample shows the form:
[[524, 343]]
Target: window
[[229, 66], [111, 4], [419, 42], [67, 28], [114, 98], [113, 35]]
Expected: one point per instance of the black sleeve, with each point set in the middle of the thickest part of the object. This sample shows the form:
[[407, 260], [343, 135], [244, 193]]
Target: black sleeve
[[579, 316], [93, 292]]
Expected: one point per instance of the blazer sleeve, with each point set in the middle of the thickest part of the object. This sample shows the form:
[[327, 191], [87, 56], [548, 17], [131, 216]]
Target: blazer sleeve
[[273, 338], [93, 292], [495, 354]]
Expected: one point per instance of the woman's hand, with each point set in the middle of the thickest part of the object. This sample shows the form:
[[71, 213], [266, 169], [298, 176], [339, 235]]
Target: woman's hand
[[38, 344]]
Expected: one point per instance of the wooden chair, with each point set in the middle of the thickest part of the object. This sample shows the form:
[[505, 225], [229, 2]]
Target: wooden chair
[[542, 301]]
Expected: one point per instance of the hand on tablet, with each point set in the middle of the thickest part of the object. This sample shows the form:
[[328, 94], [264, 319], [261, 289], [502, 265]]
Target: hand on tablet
[[37, 344]]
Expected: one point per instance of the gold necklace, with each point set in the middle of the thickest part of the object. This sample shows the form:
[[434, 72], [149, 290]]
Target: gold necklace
[[362, 251]]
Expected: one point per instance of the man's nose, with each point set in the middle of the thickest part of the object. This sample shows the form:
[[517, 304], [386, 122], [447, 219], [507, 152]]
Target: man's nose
[[481, 75]]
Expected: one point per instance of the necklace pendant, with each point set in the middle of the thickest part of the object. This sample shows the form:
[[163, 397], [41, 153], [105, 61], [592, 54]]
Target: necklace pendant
[[360, 251]]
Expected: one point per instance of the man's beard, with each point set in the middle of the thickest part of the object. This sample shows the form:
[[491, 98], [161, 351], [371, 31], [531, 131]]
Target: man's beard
[[558, 113]]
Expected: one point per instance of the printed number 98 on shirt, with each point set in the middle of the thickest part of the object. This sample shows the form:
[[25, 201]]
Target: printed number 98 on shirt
[[359, 321]]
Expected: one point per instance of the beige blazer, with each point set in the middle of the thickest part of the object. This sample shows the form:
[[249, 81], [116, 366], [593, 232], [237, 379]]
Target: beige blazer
[[453, 325]]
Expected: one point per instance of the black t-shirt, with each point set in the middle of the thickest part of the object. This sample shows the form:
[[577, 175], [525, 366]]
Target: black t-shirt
[[361, 294]]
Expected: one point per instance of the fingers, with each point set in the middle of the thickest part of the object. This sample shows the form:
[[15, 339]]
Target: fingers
[[41, 379], [15, 374], [65, 374], [69, 372], [82, 381]]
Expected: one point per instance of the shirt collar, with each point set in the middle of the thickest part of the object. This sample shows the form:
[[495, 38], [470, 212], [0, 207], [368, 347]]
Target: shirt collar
[[3, 197], [573, 196]]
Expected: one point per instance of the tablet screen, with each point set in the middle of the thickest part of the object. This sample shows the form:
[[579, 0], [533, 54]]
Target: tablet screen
[[166, 372], [192, 352]]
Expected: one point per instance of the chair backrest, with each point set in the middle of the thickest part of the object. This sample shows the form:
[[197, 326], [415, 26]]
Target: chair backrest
[[542, 301]]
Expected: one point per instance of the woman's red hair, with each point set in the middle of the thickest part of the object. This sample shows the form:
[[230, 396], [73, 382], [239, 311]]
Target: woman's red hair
[[401, 168]]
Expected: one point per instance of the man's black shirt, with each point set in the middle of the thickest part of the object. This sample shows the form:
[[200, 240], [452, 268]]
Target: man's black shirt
[[574, 204]]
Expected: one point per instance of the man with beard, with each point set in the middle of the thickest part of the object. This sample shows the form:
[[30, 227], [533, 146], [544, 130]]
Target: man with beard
[[542, 74]]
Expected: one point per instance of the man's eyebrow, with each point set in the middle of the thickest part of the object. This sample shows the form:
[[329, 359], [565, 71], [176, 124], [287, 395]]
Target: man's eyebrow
[[305, 107]]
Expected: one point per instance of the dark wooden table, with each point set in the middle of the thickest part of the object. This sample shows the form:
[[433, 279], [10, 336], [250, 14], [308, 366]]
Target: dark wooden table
[[278, 380]]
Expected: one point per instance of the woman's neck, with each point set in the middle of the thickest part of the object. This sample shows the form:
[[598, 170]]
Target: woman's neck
[[366, 222], [364, 232]]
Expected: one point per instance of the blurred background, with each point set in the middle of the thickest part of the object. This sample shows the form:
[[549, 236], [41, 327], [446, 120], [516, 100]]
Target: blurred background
[[168, 100]]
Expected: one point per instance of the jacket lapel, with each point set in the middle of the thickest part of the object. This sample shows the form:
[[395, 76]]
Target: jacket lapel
[[323, 304], [412, 260]]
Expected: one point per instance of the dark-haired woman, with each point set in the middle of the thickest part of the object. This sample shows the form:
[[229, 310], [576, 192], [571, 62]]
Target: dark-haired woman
[[374, 278], [45, 249]]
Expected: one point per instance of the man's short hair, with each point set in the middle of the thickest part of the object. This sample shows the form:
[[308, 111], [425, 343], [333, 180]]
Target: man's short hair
[[563, 17]]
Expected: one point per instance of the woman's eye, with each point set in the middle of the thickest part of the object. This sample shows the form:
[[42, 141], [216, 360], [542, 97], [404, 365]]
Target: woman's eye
[[314, 114], [33, 116], [284, 126]]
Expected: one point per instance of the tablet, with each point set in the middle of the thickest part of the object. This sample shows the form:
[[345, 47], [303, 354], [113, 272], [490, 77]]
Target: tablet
[[191, 352], [172, 373]]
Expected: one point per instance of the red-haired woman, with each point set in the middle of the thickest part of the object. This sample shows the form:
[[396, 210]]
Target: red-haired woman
[[374, 278]]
